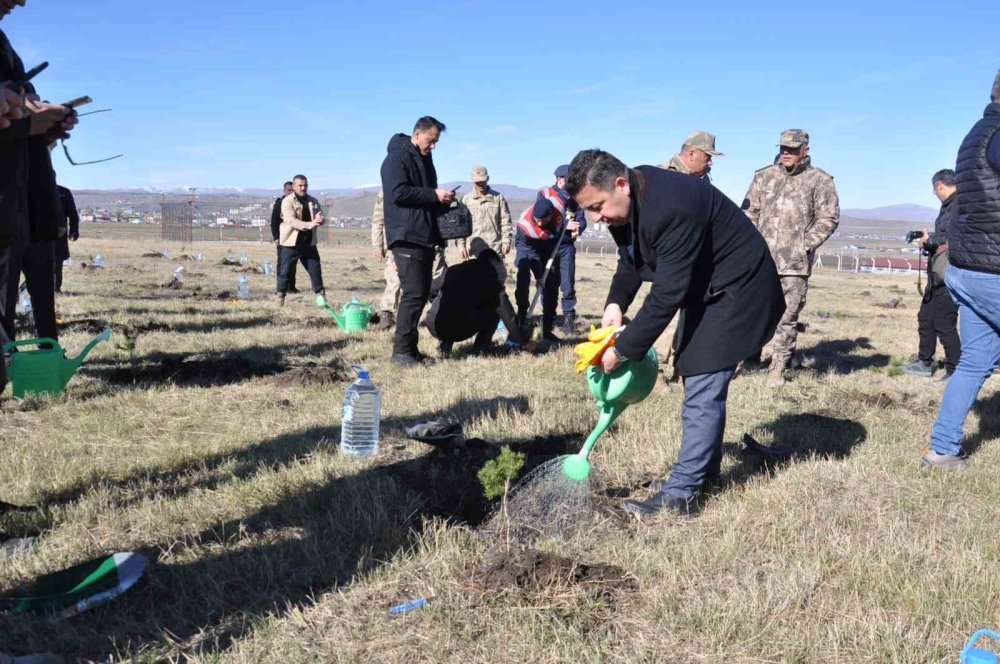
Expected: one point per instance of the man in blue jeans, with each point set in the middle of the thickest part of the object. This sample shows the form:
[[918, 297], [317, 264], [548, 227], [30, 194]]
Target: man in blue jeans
[[703, 257], [973, 280]]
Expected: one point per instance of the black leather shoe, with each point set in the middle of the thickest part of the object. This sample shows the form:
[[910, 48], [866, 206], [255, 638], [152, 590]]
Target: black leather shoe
[[661, 502], [405, 360]]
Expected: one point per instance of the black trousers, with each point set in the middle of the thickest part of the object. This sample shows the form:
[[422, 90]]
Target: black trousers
[[291, 271], [526, 268], [938, 319], [5, 255], [310, 259], [37, 261], [415, 265], [478, 323]]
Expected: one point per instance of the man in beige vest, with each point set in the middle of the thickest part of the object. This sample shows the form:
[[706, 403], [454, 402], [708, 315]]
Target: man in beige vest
[[301, 215], [695, 157]]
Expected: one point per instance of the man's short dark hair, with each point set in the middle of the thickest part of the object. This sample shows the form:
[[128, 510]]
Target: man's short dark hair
[[288, 183], [995, 97], [301, 177], [945, 176], [427, 123], [596, 168]]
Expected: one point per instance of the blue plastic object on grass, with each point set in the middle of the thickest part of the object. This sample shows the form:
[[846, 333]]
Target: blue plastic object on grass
[[973, 655], [409, 606]]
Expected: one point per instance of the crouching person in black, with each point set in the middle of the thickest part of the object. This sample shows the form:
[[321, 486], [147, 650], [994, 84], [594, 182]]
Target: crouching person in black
[[468, 300]]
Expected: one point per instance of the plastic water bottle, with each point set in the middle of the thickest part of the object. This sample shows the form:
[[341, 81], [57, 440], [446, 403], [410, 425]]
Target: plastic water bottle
[[98, 261], [68, 262], [166, 253], [362, 414], [179, 273], [243, 258], [24, 304], [268, 268], [200, 258], [230, 258], [243, 287]]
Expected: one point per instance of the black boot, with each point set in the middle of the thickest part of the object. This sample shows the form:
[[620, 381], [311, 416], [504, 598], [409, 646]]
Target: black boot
[[547, 333]]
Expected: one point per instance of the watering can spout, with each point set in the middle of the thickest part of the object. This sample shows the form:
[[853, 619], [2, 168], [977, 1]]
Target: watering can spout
[[70, 365], [339, 318]]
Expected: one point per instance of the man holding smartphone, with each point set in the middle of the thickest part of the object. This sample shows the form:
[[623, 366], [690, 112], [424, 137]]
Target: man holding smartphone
[[23, 118], [412, 202]]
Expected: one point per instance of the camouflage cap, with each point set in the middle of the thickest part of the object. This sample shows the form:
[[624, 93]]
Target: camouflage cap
[[704, 141], [794, 138], [480, 174]]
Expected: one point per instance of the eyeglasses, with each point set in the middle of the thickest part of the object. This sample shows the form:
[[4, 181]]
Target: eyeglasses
[[95, 161]]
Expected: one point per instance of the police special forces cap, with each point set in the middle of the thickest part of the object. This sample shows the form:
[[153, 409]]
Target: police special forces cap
[[703, 141], [794, 138], [480, 174]]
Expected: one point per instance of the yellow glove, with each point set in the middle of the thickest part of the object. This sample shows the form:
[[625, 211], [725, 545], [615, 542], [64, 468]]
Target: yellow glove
[[591, 350]]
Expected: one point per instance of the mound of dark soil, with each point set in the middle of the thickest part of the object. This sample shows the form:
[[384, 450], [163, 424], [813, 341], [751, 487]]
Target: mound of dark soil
[[312, 375], [530, 569]]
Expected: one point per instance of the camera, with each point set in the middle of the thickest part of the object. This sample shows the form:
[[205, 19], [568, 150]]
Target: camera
[[914, 235]]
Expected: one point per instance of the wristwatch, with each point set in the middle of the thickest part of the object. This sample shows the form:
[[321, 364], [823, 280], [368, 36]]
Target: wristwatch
[[618, 354]]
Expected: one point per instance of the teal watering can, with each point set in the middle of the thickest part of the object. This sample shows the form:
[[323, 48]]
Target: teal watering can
[[46, 370], [628, 384], [972, 655], [353, 316]]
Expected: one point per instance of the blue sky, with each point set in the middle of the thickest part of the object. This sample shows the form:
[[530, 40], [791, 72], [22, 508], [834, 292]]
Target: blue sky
[[247, 93]]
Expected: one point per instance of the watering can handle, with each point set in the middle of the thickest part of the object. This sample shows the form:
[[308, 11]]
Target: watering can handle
[[30, 342], [974, 638]]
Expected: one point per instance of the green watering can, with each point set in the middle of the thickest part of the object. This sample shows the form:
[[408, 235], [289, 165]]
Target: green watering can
[[46, 370], [628, 384], [353, 316]]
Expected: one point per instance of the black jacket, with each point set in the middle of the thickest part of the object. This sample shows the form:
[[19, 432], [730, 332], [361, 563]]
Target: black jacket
[[411, 204], [69, 211], [13, 159], [939, 238], [974, 238], [703, 256], [43, 197], [469, 295], [276, 218]]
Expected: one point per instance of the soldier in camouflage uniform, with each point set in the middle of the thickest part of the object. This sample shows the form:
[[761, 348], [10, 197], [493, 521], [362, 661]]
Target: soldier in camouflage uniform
[[389, 303], [490, 216], [795, 207], [695, 157]]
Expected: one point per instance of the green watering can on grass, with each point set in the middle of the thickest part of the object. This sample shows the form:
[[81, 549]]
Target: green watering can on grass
[[353, 316], [628, 384], [46, 370]]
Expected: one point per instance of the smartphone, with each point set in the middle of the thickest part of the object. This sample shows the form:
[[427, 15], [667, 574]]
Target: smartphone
[[79, 101], [31, 73], [456, 189]]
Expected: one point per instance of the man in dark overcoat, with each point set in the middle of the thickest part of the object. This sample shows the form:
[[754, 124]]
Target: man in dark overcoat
[[704, 258]]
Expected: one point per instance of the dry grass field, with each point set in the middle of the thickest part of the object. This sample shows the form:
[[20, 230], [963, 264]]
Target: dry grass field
[[205, 436]]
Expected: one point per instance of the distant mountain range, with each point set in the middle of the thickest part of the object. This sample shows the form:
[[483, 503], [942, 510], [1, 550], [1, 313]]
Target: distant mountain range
[[905, 212], [356, 201]]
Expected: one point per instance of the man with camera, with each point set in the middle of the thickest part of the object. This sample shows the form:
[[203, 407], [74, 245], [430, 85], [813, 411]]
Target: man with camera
[[795, 207], [938, 316], [412, 202], [301, 215], [974, 281]]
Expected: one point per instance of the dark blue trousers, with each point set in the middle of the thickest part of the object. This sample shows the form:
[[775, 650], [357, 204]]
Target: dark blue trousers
[[567, 274], [703, 421]]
